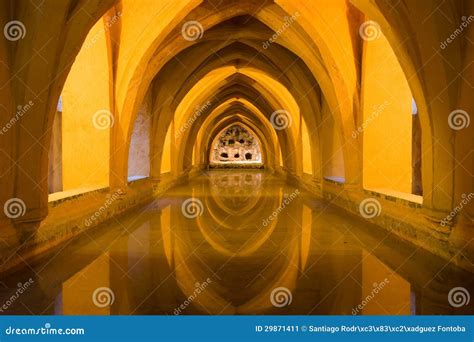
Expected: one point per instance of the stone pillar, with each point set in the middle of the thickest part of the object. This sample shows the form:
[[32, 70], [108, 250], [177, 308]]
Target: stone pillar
[[416, 185], [55, 182]]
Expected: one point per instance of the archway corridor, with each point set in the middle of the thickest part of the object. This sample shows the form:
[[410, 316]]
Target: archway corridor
[[283, 157]]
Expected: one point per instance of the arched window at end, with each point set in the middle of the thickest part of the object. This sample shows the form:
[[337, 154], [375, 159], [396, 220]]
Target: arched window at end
[[236, 146]]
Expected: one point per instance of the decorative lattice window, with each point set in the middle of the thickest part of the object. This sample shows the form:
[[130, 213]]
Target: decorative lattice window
[[236, 144]]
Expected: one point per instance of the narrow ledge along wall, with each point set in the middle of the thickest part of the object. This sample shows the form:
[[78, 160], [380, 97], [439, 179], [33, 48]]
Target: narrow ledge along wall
[[71, 216], [404, 218]]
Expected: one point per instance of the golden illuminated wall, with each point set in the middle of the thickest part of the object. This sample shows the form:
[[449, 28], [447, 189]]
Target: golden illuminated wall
[[166, 157], [86, 135], [387, 120], [307, 158], [324, 69], [139, 153], [333, 159]]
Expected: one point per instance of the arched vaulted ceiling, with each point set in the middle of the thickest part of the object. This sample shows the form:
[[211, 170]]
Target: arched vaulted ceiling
[[315, 58], [276, 74]]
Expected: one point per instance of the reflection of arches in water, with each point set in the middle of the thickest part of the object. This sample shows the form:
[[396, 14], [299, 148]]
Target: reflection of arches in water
[[311, 287], [235, 182], [235, 194], [218, 240], [245, 294], [224, 241], [335, 266], [235, 145], [219, 298], [199, 247]]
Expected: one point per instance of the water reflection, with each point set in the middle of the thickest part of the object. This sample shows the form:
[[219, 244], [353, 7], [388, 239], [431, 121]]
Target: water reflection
[[309, 258]]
